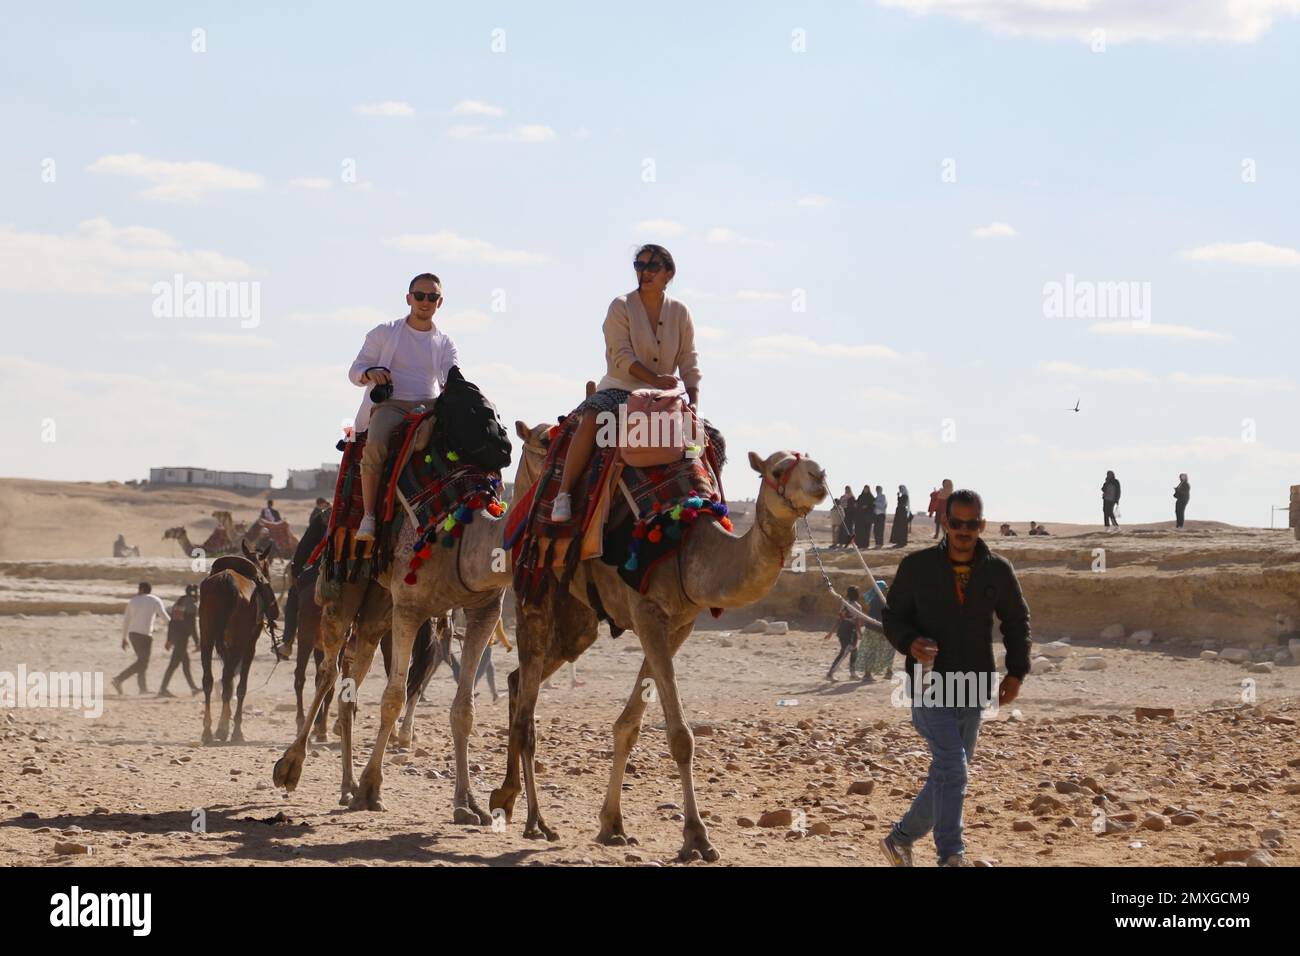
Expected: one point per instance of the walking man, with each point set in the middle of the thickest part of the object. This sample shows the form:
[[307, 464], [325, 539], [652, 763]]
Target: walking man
[[181, 629], [1109, 499], [1182, 495], [939, 615], [137, 626]]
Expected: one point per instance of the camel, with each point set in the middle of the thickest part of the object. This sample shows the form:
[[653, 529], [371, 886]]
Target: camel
[[253, 535], [182, 538], [471, 576], [714, 568], [235, 600]]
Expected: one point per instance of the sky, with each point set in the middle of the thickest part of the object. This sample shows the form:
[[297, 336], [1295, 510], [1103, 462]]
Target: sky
[[913, 234]]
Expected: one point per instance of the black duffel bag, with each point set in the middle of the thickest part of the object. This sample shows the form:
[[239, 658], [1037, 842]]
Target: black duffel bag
[[468, 424]]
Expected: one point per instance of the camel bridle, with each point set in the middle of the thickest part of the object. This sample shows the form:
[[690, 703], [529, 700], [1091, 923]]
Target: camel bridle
[[780, 487]]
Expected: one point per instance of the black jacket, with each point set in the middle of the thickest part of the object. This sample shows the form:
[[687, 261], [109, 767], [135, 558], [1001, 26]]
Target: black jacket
[[922, 602]]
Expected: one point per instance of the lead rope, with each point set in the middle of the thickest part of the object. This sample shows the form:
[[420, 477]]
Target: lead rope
[[827, 578]]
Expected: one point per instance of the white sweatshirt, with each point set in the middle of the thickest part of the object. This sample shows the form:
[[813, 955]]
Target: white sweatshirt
[[141, 612]]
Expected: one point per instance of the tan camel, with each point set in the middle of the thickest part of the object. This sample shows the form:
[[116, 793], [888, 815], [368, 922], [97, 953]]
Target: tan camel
[[471, 576], [182, 538], [714, 568]]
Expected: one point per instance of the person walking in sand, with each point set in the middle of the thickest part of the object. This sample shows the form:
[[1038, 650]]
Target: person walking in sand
[[849, 505], [847, 629], [1110, 499], [939, 615], [1182, 494], [182, 627], [902, 519], [874, 653], [137, 627]]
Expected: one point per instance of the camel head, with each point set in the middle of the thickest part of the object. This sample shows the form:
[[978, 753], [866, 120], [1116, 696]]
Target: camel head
[[537, 442], [792, 485], [261, 560], [173, 533]]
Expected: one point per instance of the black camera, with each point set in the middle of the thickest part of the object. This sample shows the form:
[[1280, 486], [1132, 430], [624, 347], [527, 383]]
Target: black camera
[[380, 393]]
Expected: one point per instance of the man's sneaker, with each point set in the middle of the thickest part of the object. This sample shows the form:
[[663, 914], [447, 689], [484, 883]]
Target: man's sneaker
[[117, 685], [165, 693], [957, 859], [367, 530], [562, 508], [896, 853]]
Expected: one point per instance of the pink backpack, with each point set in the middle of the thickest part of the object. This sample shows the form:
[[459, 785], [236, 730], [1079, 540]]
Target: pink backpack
[[658, 429]]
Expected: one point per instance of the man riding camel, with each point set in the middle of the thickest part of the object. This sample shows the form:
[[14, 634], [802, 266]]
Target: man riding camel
[[403, 364]]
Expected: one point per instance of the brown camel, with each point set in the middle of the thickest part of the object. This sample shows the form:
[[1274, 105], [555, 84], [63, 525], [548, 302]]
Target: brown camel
[[235, 601], [714, 568], [471, 576]]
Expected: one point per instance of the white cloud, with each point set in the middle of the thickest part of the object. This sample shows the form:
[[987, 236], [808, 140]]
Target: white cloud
[[1211, 449], [743, 295], [469, 320], [528, 133], [176, 181], [725, 236], [813, 201], [1122, 20], [662, 228], [994, 230], [783, 346], [1157, 330], [386, 108], [1254, 253], [709, 333], [477, 108], [98, 258], [1216, 380], [1131, 375], [312, 182], [456, 248], [363, 315], [234, 339], [878, 394]]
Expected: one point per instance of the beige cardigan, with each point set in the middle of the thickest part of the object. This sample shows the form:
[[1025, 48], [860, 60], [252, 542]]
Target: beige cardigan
[[665, 350]]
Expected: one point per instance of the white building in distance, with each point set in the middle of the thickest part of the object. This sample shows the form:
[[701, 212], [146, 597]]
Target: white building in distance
[[208, 478]]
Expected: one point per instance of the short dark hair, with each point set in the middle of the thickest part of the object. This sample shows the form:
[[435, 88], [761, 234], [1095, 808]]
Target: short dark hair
[[853, 592], [145, 587], [966, 497], [321, 501], [425, 275], [270, 501]]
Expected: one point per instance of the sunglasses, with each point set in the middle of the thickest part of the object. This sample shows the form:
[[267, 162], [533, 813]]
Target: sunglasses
[[956, 524], [431, 296], [653, 266]]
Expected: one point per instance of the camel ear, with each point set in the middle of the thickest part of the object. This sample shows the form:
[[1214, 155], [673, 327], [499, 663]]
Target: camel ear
[[756, 463], [591, 389], [243, 546], [522, 430]]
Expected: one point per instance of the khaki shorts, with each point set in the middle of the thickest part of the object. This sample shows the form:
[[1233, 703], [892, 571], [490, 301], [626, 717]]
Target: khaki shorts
[[384, 420]]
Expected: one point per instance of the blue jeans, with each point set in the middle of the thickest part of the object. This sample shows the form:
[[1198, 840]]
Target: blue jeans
[[951, 734]]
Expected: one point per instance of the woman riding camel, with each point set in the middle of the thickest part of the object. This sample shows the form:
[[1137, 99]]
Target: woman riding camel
[[649, 336]]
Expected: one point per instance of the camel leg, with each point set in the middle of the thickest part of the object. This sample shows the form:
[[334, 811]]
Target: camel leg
[[237, 736], [205, 653], [523, 682], [356, 664], [336, 618], [659, 646], [479, 625], [424, 661], [300, 675], [627, 730], [405, 622], [503, 797], [322, 717], [534, 825]]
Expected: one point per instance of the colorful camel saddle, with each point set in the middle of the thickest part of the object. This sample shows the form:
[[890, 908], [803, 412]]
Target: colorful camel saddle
[[630, 517], [431, 487], [280, 534]]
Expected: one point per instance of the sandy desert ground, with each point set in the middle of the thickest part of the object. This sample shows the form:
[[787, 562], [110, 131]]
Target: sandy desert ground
[[1210, 786]]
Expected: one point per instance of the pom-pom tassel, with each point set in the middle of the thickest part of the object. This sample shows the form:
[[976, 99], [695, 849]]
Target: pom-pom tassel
[[410, 578]]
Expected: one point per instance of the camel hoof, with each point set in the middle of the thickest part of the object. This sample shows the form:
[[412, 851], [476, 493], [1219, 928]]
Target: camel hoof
[[467, 817], [367, 799], [222, 733], [500, 800], [694, 854], [207, 735], [287, 771], [541, 831], [237, 737]]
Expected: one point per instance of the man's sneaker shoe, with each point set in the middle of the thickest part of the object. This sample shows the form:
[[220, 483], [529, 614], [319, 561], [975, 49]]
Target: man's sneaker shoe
[[117, 685], [562, 508], [896, 853], [367, 530], [165, 693], [957, 859]]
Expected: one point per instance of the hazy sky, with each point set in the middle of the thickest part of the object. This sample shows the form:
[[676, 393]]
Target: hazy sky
[[869, 205]]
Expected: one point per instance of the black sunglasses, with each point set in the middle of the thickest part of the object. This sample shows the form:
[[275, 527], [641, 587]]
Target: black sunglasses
[[431, 296], [957, 524], [653, 266]]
